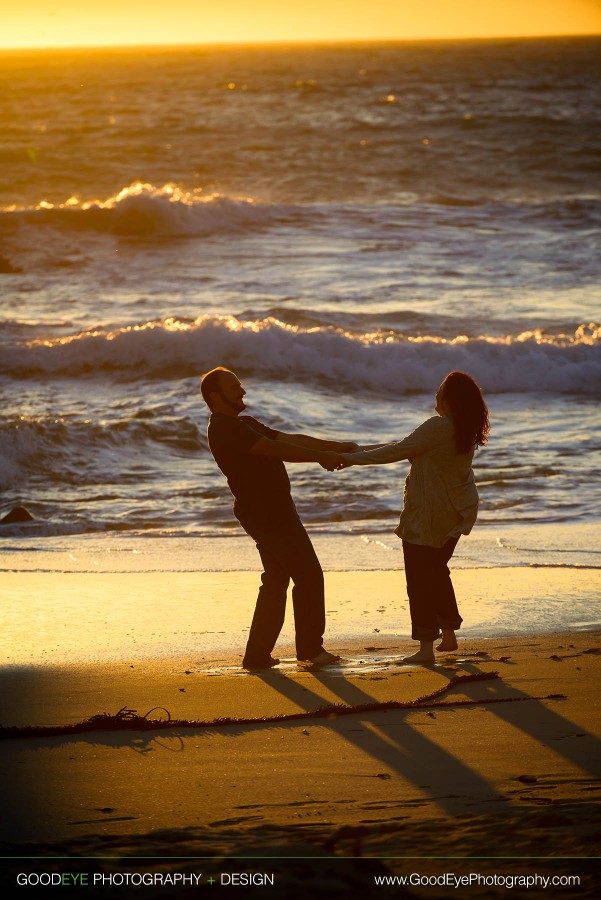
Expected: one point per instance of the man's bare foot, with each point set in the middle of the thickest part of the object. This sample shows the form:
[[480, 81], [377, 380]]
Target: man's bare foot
[[421, 658], [258, 665]]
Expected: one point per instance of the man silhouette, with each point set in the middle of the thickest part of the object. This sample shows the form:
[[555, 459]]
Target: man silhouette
[[252, 456]]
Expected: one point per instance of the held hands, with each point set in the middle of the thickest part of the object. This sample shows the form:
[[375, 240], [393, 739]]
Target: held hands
[[333, 461]]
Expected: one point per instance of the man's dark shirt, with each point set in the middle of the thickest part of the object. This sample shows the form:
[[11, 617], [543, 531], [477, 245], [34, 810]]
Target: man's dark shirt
[[260, 485]]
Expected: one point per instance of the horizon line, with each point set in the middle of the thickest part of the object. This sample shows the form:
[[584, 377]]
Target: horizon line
[[298, 42]]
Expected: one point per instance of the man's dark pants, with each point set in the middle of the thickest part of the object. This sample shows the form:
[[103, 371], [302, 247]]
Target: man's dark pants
[[432, 600], [286, 553]]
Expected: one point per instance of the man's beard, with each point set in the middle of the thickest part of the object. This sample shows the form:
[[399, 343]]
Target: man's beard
[[236, 405]]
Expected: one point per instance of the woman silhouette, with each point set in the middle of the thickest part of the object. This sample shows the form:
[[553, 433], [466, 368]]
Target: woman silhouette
[[440, 503]]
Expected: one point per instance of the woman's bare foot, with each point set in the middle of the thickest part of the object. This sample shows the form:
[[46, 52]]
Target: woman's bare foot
[[449, 641], [325, 658], [421, 658]]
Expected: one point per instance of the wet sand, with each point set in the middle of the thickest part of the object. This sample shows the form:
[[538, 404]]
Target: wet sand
[[54, 619]]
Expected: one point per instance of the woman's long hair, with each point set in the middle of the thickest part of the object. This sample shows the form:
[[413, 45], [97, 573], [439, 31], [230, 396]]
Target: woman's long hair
[[468, 409]]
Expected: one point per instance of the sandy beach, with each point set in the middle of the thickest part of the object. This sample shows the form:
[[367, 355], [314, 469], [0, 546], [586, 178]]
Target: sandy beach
[[486, 762]]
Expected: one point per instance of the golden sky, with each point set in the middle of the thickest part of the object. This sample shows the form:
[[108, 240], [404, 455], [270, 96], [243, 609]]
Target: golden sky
[[64, 23]]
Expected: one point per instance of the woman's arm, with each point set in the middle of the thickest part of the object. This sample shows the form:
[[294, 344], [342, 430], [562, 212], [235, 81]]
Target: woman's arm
[[423, 438]]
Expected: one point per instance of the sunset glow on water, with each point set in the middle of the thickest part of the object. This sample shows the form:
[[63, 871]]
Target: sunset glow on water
[[342, 225]]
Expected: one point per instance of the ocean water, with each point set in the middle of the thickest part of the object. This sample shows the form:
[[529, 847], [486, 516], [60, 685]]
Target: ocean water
[[342, 226]]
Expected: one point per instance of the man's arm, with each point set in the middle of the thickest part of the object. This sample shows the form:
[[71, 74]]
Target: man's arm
[[312, 443], [287, 451]]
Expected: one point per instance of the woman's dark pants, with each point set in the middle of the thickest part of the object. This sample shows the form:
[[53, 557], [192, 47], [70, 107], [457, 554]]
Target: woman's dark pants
[[431, 596]]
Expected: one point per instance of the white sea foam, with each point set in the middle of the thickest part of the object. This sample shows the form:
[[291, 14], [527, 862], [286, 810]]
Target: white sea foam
[[382, 361]]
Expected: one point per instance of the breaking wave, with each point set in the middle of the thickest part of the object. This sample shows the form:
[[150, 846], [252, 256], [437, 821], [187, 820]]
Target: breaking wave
[[384, 360], [143, 210]]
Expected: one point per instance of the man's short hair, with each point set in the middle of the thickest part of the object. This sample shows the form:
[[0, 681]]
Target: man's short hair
[[209, 383]]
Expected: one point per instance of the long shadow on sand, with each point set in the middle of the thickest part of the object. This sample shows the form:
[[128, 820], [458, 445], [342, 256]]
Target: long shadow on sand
[[411, 754], [406, 750], [395, 738], [535, 719]]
